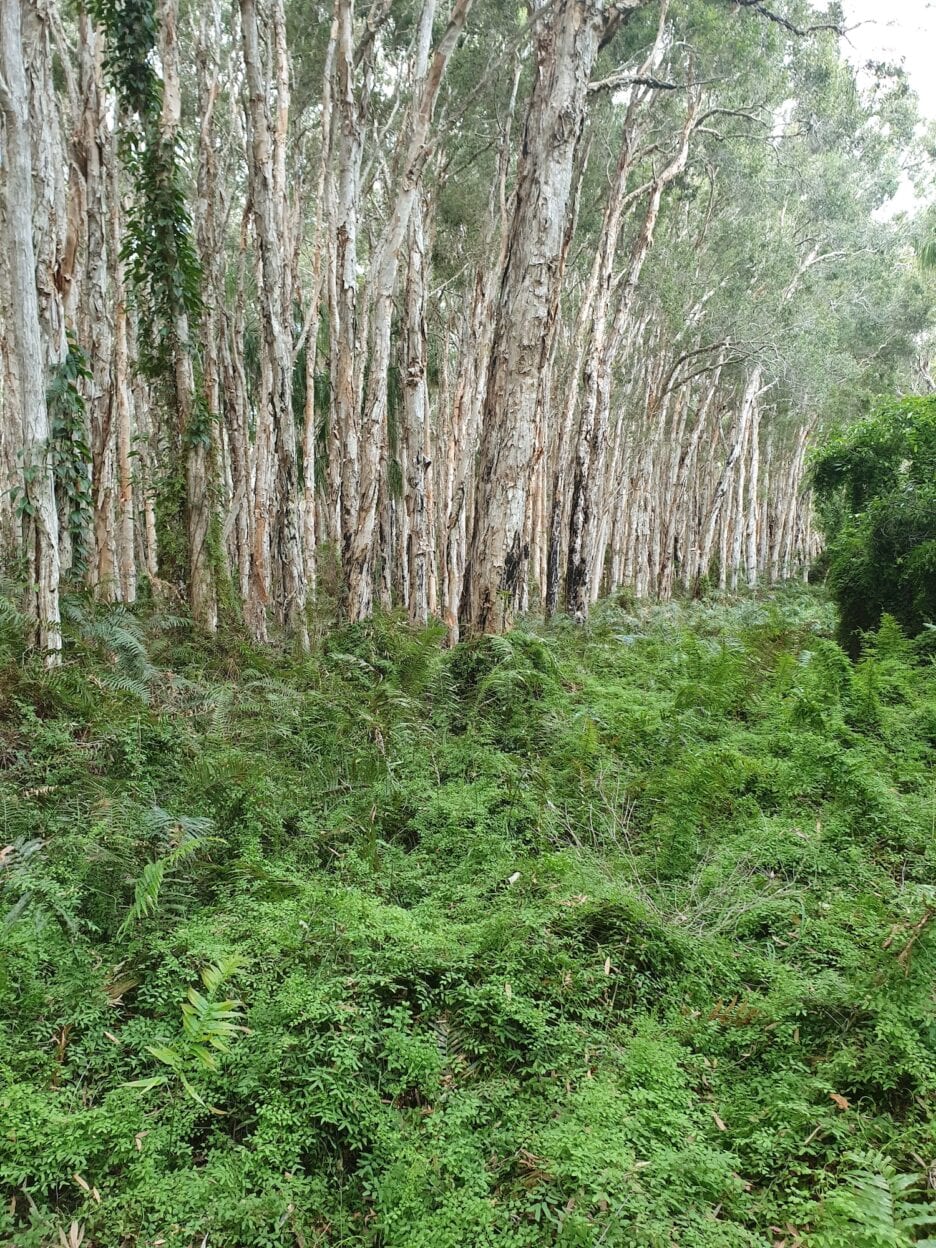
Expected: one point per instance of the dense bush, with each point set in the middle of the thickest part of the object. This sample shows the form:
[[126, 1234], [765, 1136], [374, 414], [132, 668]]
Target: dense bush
[[876, 487], [616, 937]]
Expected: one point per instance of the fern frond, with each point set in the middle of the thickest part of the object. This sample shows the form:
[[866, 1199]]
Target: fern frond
[[879, 1208], [117, 636], [148, 887], [177, 829]]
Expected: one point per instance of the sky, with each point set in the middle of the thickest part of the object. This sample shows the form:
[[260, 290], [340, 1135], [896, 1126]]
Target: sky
[[903, 31]]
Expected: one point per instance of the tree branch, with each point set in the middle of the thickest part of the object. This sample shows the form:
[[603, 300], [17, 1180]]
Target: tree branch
[[756, 6], [615, 81]]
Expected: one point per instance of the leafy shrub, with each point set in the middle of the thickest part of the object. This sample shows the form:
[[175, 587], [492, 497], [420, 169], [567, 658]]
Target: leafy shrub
[[876, 486]]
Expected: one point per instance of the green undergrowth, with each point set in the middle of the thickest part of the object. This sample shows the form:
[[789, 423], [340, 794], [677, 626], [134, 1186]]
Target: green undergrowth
[[609, 937]]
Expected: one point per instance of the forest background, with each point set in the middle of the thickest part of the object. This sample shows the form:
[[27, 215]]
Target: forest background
[[310, 309]]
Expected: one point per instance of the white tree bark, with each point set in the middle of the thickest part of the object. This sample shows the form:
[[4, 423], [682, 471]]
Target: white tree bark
[[753, 508], [198, 450], [596, 404], [745, 414], [566, 46], [418, 452], [267, 196], [40, 516], [358, 541]]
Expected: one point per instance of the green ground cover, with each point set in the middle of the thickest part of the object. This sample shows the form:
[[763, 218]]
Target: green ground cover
[[608, 938]]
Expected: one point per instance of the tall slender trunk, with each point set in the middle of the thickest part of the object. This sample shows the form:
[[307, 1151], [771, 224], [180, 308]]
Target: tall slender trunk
[[126, 558], [738, 516], [310, 535], [468, 393], [11, 423], [267, 195], [461, 438], [39, 512], [753, 509], [567, 42], [237, 532], [346, 351], [358, 540], [194, 424], [593, 428], [745, 414], [418, 453], [95, 156]]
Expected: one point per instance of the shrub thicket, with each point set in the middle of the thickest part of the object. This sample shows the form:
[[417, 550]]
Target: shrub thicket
[[876, 488]]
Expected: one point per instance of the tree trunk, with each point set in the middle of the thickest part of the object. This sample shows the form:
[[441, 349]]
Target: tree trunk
[[727, 475], [753, 509], [593, 429], [468, 394], [310, 535], [344, 433], [95, 155], [358, 540], [418, 454], [39, 512], [267, 206], [566, 46], [194, 424]]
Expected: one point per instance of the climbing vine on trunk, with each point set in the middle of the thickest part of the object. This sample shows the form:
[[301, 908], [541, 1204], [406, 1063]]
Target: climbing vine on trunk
[[162, 263]]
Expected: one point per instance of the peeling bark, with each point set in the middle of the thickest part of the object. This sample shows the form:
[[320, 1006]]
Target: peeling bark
[[40, 518]]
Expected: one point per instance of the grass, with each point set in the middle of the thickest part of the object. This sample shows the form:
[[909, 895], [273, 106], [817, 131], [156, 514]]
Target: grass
[[607, 937]]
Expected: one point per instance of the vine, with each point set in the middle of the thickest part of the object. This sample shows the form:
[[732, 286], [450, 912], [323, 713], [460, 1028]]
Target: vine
[[69, 456], [69, 450], [159, 251]]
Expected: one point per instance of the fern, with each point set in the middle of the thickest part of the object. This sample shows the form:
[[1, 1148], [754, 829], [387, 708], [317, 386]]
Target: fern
[[191, 833], [452, 1043], [14, 623], [175, 829], [209, 1025], [148, 887], [25, 879], [879, 1208], [115, 635]]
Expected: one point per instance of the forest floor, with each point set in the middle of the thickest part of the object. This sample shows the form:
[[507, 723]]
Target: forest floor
[[607, 937]]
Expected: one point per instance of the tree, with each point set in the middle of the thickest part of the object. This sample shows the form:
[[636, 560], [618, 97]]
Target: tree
[[876, 486], [162, 263], [37, 499], [567, 39], [461, 313]]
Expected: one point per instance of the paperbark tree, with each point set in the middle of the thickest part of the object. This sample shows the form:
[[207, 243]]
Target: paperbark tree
[[276, 297], [525, 372], [93, 156], [566, 45], [357, 540], [194, 421], [593, 427], [37, 506], [419, 454]]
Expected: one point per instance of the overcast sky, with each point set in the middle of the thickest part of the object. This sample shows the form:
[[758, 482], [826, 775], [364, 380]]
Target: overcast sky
[[903, 31]]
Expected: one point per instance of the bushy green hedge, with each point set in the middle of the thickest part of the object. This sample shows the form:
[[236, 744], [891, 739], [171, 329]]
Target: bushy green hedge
[[876, 486]]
